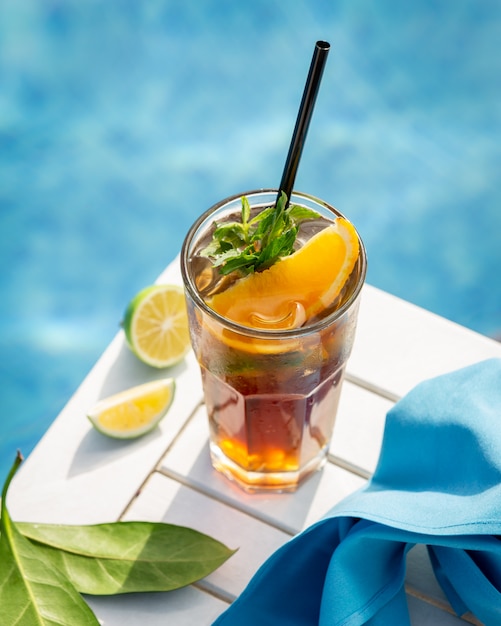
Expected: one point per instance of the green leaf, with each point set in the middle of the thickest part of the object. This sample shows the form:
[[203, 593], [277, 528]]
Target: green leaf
[[32, 591], [240, 262], [45, 567], [257, 243], [299, 213], [261, 215], [278, 247], [231, 232], [245, 210], [124, 557]]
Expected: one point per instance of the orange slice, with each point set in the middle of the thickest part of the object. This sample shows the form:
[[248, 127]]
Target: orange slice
[[295, 288]]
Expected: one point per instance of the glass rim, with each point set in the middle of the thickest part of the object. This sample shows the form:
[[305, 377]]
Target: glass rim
[[266, 334]]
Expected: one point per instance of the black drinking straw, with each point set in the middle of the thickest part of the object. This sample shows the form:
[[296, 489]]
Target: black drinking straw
[[303, 117]]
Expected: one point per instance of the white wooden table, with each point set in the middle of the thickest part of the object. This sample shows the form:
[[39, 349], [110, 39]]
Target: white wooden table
[[75, 475]]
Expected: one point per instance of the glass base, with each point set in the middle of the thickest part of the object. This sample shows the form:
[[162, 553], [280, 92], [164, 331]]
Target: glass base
[[255, 482]]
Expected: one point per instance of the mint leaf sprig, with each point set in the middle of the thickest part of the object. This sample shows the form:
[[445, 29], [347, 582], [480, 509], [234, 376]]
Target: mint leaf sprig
[[253, 245]]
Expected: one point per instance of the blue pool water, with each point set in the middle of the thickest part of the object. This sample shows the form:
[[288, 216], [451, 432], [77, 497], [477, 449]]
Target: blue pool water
[[120, 121]]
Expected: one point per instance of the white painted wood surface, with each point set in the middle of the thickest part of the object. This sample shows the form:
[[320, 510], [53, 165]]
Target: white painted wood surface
[[75, 475]]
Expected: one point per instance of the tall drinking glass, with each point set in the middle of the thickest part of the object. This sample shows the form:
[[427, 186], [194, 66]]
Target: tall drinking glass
[[271, 395]]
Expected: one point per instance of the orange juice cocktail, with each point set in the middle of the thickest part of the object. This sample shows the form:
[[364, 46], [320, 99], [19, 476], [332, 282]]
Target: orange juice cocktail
[[273, 344]]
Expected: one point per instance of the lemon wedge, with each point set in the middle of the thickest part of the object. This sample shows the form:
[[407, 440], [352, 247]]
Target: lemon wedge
[[134, 412]]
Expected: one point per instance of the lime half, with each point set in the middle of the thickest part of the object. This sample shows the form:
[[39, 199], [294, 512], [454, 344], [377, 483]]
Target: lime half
[[156, 325], [133, 412]]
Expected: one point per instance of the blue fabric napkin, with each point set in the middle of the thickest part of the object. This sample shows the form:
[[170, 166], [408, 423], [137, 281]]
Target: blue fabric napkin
[[438, 483]]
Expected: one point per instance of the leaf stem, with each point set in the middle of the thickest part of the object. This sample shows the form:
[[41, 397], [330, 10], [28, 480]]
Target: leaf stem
[[17, 462]]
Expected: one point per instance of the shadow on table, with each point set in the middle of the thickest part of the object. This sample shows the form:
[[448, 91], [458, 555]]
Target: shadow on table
[[127, 371], [286, 511], [96, 450]]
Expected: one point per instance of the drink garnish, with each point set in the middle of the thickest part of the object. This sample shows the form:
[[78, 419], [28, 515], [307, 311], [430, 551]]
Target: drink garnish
[[156, 325], [135, 411], [255, 244], [297, 287]]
